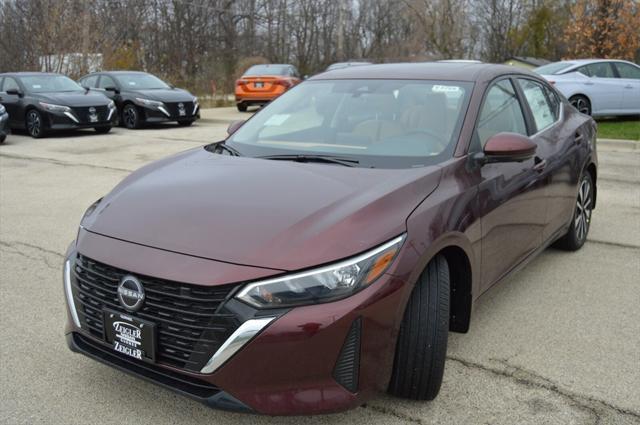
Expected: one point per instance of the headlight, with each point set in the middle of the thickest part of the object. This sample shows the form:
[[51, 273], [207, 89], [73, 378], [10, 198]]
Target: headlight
[[55, 108], [148, 102], [324, 284], [2, 110]]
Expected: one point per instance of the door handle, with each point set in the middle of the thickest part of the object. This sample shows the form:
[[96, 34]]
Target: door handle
[[540, 164], [589, 83], [628, 86]]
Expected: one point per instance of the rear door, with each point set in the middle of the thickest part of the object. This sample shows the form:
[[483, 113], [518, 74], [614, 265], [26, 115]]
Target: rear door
[[511, 194], [557, 152], [630, 79]]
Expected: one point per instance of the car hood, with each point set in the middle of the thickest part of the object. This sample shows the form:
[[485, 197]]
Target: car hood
[[75, 99], [164, 95], [263, 213]]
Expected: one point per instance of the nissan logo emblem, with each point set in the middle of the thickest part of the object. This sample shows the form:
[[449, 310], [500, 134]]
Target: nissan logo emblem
[[92, 110], [131, 293], [181, 105]]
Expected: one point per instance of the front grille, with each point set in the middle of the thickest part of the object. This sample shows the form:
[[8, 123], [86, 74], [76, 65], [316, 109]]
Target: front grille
[[188, 324], [173, 109], [83, 113]]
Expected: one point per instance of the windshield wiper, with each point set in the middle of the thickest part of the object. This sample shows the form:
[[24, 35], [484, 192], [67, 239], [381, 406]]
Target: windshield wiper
[[347, 162], [222, 146]]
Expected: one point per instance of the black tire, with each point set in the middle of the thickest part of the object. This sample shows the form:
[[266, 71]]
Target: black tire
[[422, 342], [242, 107], [185, 123], [102, 130], [3, 138], [581, 221], [35, 124], [581, 103], [130, 116]]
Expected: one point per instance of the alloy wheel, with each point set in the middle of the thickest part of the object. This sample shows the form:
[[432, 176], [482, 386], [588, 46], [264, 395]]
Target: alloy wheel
[[130, 117], [584, 206], [34, 124], [582, 105]]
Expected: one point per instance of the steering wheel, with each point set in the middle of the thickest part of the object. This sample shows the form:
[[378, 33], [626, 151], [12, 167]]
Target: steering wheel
[[442, 142]]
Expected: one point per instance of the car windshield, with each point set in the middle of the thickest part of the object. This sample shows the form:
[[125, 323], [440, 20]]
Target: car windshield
[[141, 82], [553, 68], [379, 123], [49, 83], [267, 70]]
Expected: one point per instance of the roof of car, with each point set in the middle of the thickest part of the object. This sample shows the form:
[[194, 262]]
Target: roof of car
[[423, 71], [27, 74]]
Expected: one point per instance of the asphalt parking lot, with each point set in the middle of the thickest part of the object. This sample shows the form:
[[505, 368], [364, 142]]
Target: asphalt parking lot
[[557, 343]]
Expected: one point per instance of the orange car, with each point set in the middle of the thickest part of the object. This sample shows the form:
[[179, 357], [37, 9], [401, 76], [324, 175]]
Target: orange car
[[261, 84]]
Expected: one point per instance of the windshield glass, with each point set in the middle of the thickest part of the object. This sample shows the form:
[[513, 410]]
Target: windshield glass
[[141, 82], [380, 123], [553, 68], [267, 70], [49, 83]]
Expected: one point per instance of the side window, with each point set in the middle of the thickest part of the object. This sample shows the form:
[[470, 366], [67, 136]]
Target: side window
[[500, 112], [584, 71], [600, 70], [10, 83], [628, 71], [106, 81], [539, 104], [90, 81], [554, 101]]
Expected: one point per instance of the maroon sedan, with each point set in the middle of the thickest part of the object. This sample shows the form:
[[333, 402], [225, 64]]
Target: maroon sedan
[[322, 253]]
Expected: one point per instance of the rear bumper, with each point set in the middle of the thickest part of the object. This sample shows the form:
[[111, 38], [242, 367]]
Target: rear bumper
[[295, 365]]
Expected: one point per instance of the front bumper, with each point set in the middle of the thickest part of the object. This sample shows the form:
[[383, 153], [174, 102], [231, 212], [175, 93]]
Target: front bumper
[[294, 365], [79, 118], [170, 112], [4, 125]]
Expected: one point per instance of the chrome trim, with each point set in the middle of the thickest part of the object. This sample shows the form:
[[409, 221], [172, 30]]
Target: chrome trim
[[69, 293], [195, 108], [70, 115], [325, 269], [111, 111], [161, 108], [235, 342]]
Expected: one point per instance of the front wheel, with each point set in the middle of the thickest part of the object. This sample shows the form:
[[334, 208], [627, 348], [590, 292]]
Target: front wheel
[[131, 116], [422, 342], [35, 124], [3, 138], [581, 103], [581, 221], [185, 123], [242, 107]]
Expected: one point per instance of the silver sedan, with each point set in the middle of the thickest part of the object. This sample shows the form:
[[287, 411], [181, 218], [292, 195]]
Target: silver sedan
[[598, 87]]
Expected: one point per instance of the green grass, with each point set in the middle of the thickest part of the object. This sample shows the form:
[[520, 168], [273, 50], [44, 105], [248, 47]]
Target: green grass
[[619, 128]]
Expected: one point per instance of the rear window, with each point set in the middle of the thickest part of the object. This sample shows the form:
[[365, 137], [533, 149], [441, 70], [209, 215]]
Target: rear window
[[269, 70], [553, 68]]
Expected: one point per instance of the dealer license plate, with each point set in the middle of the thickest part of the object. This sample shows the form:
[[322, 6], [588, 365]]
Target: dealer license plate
[[258, 85], [129, 335]]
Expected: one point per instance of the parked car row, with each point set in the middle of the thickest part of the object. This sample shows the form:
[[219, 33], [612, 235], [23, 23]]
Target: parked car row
[[44, 102]]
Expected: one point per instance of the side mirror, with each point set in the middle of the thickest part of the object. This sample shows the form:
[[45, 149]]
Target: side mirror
[[112, 89], [509, 147], [234, 126], [14, 92]]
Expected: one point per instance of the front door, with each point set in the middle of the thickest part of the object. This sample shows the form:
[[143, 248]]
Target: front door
[[511, 194]]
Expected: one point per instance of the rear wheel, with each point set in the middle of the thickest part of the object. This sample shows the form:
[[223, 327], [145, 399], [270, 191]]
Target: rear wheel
[[579, 227], [131, 116], [581, 103], [242, 107], [102, 130], [422, 342], [35, 124]]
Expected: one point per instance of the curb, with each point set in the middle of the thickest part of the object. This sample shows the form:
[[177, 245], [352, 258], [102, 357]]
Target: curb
[[620, 143]]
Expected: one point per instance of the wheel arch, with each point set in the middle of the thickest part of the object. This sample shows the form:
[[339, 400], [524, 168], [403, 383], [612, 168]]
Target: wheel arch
[[460, 274], [44, 116]]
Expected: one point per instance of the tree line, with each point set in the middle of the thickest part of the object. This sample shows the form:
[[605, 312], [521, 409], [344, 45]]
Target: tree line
[[200, 43]]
